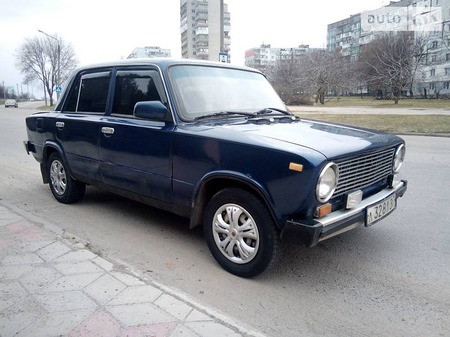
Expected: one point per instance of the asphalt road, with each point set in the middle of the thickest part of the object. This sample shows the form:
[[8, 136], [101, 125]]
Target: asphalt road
[[391, 279]]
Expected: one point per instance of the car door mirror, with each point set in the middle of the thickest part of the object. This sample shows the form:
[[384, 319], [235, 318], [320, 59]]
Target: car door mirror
[[153, 110]]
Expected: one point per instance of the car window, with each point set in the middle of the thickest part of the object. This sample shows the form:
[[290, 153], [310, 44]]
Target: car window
[[89, 93], [132, 87], [202, 90], [72, 99]]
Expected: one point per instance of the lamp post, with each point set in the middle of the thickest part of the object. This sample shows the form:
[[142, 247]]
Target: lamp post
[[59, 62]]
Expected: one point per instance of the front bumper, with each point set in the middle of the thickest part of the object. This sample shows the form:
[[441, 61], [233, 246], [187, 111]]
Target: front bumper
[[27, 145], [337, 222]]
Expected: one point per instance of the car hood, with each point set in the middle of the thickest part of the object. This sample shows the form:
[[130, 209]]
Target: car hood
[[331, 140]]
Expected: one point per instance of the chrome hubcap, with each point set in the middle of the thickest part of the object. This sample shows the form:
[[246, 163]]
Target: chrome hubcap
[[58, 177], [235, 233]]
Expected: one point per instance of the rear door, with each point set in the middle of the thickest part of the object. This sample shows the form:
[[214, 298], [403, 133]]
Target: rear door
[[78, 126], [135, 153]]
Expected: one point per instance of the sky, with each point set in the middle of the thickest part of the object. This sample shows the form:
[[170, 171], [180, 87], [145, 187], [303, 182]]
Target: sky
[[105, 30]]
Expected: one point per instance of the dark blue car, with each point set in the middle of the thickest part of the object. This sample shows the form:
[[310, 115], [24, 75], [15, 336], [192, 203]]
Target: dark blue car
[[214, 143]]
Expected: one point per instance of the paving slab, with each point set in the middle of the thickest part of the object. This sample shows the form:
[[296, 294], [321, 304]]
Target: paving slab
[[105, 288], [53, 251], [140, 314], [137, 294], [39, 278], [83, 267], [72, 282]]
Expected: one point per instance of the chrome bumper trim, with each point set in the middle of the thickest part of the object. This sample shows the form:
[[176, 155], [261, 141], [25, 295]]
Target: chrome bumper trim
[[341, 215]]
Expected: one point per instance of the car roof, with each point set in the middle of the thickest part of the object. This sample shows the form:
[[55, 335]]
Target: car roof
[[162, 63]]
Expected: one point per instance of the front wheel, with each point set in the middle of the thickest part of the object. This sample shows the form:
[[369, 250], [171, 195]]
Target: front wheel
[[240, 232], [64, 188]]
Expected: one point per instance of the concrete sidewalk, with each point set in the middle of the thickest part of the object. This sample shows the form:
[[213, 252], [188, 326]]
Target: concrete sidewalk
[[51, 285]]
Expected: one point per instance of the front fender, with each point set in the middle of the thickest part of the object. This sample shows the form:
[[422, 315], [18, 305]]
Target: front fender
[[213, 182]]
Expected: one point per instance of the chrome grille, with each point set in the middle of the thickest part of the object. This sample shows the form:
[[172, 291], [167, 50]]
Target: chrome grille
[[362, 171]]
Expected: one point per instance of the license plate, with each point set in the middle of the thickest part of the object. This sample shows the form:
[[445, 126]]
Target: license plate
[[380, 210]]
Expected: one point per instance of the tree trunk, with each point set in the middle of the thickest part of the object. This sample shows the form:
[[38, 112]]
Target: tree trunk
[[397, 92], [45, 92], [50, 96], [322, 98]]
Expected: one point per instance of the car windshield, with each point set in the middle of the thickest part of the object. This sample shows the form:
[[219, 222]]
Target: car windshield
[[207, 90]]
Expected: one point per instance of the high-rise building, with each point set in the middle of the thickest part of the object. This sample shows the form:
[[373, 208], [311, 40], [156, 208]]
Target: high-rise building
[[205, 29]]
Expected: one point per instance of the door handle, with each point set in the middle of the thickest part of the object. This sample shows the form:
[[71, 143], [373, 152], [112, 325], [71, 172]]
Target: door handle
[[60, 125], [107, 130]]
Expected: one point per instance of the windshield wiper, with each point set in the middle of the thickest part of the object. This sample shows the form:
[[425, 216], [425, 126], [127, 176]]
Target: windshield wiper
[[243, 113], [224, 113], [270, 110]]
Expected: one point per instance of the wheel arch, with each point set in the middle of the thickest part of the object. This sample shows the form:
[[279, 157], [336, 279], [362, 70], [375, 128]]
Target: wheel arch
[[49, 148], [216, 181]]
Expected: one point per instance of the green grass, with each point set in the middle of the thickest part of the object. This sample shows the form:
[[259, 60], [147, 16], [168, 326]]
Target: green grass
[[46, 107], [429, 124], [403, 103]]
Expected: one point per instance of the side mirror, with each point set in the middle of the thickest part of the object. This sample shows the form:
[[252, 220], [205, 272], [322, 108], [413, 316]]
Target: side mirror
[[152, 110]]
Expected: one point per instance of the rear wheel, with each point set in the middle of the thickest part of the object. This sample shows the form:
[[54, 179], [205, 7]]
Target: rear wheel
[[240, 232], [64, 188]]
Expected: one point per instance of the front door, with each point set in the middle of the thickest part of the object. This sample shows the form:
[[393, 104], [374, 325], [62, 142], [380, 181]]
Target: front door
[[135, 154]]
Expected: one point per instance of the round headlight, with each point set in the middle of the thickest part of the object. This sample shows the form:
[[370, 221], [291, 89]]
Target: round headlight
[[399, 157], [327, 182]]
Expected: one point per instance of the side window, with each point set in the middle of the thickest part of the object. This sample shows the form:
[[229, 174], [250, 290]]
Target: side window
[[132, 87], [93, 92], [89, 93], [72, 99]]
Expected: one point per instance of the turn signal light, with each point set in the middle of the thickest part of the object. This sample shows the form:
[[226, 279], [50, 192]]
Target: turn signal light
[[296, 167], [323, 210]]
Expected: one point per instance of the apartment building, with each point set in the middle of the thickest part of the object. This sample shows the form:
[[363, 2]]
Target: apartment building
[[351, 34], [265, 56], [149, 52], [262, 57], [205, 29], [346, 35]]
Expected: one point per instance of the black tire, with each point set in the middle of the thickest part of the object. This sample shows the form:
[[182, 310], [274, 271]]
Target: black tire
[[247, 243], [64, 188]]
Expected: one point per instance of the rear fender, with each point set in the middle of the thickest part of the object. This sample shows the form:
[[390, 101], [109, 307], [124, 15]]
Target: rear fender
[[49, 148]]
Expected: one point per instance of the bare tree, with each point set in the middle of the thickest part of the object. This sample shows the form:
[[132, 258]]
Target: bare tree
[[316, 72], [283, 76], [38, 57], [325, 72], [388, 62]]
